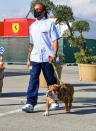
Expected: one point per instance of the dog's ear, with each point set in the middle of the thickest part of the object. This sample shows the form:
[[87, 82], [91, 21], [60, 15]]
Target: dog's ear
[[57, 87], [49, 87]]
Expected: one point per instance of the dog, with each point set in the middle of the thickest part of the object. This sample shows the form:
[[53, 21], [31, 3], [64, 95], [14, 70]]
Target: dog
[[59, 93]]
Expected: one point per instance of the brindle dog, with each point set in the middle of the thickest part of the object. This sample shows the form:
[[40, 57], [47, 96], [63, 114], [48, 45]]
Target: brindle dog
[[60, 93]]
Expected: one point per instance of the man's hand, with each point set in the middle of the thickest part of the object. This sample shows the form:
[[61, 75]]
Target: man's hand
[[30, 49], [28, 63], [52, 59]]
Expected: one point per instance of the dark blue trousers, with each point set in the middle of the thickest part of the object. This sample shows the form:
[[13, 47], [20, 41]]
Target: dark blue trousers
[[48, 71]]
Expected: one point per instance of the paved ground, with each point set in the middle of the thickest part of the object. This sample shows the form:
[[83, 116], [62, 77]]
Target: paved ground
[[81, 118]]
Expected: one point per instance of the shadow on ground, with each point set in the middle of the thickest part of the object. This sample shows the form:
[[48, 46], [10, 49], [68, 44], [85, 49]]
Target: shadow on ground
[[77, 110], [86, 90], [87, 106], [18, 94], [84, 100], [83, 85], [9, 74], [90, 87]]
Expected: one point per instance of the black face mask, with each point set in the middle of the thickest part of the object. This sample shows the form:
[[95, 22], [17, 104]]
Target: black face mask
[[37, 14]]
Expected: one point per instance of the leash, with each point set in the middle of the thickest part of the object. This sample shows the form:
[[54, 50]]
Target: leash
[[54, 67], [57, 73]]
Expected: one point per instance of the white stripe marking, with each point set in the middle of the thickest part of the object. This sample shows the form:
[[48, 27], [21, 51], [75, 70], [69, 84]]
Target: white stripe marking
[[10, 112], [13, 98], [18, 110]]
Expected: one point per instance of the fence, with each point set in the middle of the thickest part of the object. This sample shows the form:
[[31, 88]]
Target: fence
[[16, 48], [68, 50]]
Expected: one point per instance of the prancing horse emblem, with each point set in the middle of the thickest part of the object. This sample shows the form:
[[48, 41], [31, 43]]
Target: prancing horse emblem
[[15, 27]]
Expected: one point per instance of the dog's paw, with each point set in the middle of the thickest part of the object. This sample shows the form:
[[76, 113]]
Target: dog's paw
[[46, 113], [68, 111]]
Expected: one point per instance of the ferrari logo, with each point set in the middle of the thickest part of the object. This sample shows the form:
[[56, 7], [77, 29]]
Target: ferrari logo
[[15, 27]]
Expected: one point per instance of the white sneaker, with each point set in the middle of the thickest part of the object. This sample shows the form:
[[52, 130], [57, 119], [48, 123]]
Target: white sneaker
[[28, 108], [54, 106]]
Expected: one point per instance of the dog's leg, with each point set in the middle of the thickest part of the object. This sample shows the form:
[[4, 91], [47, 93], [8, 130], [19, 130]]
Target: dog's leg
[[66, 105], [70, 101], [70, 104], [46, 113]]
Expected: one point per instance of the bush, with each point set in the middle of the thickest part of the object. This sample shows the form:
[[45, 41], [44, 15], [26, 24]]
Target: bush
[[62, 59]]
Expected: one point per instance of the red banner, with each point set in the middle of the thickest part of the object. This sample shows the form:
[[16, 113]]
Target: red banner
[[17, 27], [1, 28]]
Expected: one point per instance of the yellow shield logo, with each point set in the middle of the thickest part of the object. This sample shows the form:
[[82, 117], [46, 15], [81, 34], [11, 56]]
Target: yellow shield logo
[[15, 27]]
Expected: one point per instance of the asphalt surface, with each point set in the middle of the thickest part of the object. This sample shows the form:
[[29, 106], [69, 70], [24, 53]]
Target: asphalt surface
[[81, 118]]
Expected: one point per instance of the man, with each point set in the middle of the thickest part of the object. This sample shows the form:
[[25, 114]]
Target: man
[[43, 43]]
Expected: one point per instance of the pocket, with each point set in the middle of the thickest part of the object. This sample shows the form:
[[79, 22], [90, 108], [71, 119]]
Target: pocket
[[44, 33]]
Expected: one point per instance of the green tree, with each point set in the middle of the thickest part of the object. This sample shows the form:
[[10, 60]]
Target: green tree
[[80, 25], [66, 33], [49, 5], [64, 14]]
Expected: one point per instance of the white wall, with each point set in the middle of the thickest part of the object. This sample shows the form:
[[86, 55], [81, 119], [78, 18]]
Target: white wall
[[88, 35]]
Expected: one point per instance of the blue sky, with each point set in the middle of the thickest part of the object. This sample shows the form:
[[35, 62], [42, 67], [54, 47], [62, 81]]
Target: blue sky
[[85, 9]]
